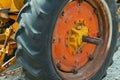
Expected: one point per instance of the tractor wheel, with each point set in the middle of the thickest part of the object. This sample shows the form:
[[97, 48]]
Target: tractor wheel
[[66, 39]]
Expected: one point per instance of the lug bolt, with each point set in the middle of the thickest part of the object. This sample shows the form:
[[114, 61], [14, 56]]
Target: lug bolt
[[67, 32], [99, 34], [80, 51], [66, 45], [90, 57], [95, 10], [58, 65], [53, 41], [62, 13], [64, 57], [80, 1], [75, 71]]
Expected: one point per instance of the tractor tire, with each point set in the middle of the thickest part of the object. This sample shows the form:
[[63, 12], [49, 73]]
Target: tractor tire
[[41, 39]]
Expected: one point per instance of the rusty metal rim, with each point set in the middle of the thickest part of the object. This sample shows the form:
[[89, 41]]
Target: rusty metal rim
[[103, 23], [83, 52]]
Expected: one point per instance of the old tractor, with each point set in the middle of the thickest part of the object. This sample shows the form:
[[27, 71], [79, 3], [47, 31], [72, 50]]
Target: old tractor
[[59, 39], [8, 15]]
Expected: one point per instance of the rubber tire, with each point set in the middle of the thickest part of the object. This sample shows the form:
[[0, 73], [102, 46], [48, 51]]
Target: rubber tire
[[34, 38]]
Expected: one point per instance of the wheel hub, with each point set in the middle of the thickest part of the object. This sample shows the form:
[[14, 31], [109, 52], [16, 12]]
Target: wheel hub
[[76, 33]]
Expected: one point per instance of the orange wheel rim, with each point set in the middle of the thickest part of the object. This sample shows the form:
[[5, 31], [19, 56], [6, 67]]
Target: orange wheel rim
[[61, 51], [65, 59]]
